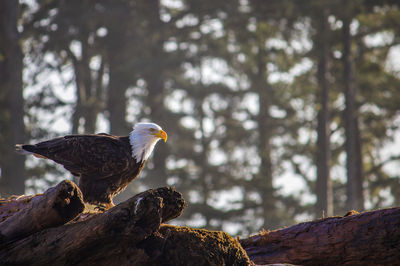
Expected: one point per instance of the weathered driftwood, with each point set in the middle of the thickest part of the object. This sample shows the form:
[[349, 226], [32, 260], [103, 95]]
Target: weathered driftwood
[[370, 238], [24, 215], [107, 238]]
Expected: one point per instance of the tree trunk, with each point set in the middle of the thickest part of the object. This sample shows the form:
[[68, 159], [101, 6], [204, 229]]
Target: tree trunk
[[370, 238], [155, 78], [265, 132], [324, 185], [11, 110], [28, 214], [359, 167], [355, 199], [120, 73], [116, 100], [88, 91]]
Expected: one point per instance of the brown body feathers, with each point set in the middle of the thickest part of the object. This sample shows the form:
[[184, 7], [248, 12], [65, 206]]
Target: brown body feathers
[[103, 162]]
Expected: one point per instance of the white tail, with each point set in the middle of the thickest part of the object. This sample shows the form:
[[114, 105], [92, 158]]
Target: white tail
[[20, 150]]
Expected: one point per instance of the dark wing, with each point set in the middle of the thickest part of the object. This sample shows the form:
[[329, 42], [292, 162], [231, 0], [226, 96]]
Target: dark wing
[[98, 156]]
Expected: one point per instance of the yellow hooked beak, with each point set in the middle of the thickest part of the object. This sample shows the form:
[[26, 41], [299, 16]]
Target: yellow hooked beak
[[162, 135]]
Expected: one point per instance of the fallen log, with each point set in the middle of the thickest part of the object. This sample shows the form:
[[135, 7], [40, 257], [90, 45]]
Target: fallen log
[[106, 238], [180, 245], [24, 215], [370, 238]]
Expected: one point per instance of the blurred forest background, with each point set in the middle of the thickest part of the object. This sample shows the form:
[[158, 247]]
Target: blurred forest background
[[276, 111]]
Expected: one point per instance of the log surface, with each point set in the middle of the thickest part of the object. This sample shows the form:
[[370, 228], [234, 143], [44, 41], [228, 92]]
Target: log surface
[[181, 245], [131, 233], [370, 238], [24, 215], [102, 238]]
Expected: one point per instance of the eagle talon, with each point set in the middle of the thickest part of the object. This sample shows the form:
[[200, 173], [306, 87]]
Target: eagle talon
[[100, 208], [103, 207]]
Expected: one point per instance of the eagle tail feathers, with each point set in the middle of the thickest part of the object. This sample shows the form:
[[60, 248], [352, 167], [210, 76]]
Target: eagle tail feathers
[[24, 149]]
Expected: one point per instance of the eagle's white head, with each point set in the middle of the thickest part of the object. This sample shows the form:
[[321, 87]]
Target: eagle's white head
[[143, 138]]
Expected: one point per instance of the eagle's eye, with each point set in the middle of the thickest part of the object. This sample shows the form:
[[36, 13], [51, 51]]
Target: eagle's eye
[[153, 130]]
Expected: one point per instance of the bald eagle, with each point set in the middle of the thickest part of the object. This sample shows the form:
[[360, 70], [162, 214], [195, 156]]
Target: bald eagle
[[105, 164]]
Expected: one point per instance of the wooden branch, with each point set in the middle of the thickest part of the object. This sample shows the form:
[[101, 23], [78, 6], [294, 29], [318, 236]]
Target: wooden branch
[[102, 238], [369, 238], [21, 216]]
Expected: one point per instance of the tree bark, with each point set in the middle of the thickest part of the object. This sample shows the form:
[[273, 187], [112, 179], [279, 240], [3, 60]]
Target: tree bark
[[110, 237], [28, 214], [370, 238]]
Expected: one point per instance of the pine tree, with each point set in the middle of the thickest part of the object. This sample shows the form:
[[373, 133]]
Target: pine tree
[[11, 101]]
